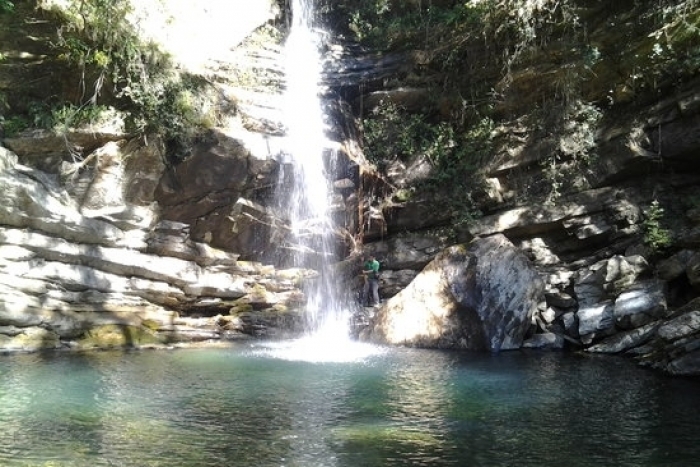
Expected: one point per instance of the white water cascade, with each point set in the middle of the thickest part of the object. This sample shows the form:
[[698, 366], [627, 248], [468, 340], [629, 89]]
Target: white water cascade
[[308, 204]]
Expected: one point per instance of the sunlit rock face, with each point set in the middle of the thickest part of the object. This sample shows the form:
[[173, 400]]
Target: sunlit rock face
[[86, 249], [219, 191], [480, 296]]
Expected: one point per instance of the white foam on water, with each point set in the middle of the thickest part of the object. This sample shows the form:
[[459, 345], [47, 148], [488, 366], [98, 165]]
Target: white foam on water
[[330, 344]]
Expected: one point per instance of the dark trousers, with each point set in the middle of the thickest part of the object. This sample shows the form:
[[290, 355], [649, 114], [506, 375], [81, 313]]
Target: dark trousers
[[371, 286]]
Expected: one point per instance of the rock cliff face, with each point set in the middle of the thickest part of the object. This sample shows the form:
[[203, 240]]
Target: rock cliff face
[[104, 243], [592, 229], [95, 270]]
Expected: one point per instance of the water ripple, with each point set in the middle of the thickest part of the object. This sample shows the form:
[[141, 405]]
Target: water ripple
[[262, 405]]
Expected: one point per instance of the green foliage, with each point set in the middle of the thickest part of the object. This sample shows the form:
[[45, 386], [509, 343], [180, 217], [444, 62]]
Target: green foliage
[[459, 157], [648, 46], [391, 133], [664, 52], [14, 125], [177, 109], [656, 236], [6, 6], [389, 25], [57, 117], [457, 163], [98, 37], [575, 125], [674, 51], [513, 27]]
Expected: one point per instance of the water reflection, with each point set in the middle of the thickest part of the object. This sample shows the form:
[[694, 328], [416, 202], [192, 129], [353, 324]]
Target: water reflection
[[411, 412], [403, 407]]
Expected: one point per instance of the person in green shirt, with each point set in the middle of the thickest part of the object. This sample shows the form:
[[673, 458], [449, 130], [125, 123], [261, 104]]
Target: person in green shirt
[[370, 271]]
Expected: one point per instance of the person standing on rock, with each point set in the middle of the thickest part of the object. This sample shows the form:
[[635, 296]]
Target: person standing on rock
[[370, 272]]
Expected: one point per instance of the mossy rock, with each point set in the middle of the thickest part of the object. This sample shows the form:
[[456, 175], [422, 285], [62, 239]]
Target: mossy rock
[[31, 339], [239, 308], [151, 324], [279, 308], [403, 194], [116, 335]]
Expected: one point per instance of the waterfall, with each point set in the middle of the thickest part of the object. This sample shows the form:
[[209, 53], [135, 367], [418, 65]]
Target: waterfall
[[308, 203]]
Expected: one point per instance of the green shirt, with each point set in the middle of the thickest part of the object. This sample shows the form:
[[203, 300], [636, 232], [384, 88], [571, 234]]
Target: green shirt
[[373, 267]]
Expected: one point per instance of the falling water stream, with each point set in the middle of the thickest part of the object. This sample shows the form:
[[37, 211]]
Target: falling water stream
[[308, 205]]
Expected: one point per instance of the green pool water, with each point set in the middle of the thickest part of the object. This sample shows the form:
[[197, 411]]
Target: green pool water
[[268, 404]]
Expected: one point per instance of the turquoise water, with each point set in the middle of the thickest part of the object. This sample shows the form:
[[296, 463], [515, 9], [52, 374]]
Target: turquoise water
[[256, 405]]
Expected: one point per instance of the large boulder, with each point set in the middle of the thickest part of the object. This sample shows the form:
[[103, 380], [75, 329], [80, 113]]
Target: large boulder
[[479, 296]]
